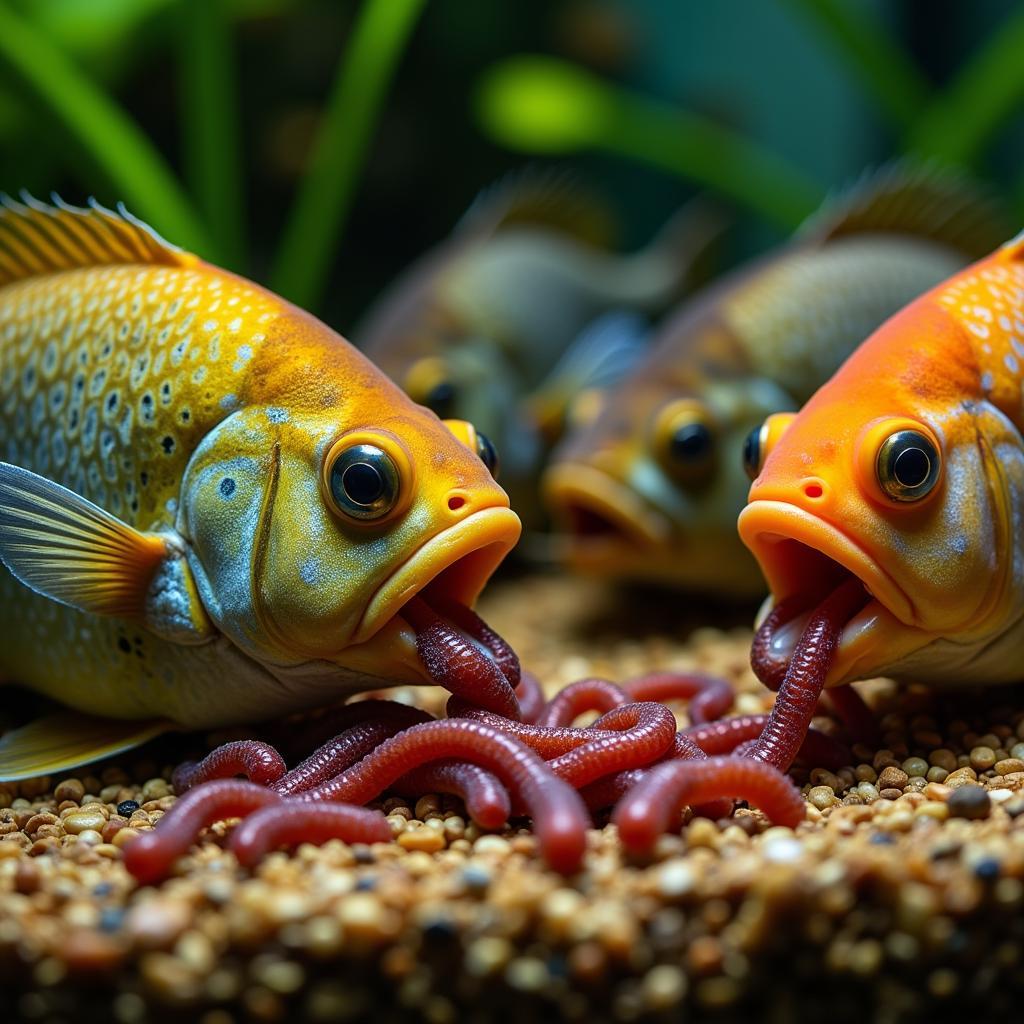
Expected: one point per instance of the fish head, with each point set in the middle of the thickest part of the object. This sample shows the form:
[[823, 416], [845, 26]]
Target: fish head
[[650, 479], [899, 473], [310, 528]]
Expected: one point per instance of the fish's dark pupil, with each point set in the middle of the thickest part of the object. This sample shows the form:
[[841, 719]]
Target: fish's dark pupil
[[441, 399], [362, 483], [487, 452], [750, 450], [911, 467], [690, 442], [227, 487]]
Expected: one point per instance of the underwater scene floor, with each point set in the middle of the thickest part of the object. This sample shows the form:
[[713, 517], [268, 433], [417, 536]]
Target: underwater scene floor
[[900, 897]]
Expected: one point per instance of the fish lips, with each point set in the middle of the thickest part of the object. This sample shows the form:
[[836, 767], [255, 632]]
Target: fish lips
[[457, 563], [602, 521], [801, 554]]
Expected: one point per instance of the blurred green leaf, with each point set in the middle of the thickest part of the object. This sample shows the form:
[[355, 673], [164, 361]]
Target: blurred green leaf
[[210, 123], [542, 105], [108, 137], [318, 216], [960, 123], [882, 65]]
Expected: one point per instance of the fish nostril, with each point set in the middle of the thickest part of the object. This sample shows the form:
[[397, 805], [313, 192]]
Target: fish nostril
[[456, 501], [814, 489]]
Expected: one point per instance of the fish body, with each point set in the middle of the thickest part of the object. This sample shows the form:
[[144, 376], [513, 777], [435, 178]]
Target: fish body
[[177, 518], [906, 470], [485, 320], [649, 483]]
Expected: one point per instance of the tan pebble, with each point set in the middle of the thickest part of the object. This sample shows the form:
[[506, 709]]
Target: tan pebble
[[936, 791], [527, 974], [936, 774], [363, 916], [427, 840], [943, 758], [487, 955], [36, 822], [982, 758], [1009, 765], [69, 789], [663, 987], [398, 824], [10, 850], [155, 789], [83, 820], [284, 977], [892, 777], [427, 805], [156, 923], [705, 955], [702, 832], [492, 844], [933, 809], [124, 836], [961, 777], [821, 797]]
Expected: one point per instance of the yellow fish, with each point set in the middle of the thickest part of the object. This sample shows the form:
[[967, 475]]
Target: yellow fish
[[650, 482], [212, 507]]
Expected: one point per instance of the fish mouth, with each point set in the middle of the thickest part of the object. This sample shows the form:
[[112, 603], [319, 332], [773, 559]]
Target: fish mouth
[[803, 559], [452, 567], [598, 520]]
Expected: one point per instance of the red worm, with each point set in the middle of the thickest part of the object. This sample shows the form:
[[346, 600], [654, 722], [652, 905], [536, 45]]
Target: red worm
[[299, 737], [727, 734], [257, 761], [769, 666], [531, 697], [559, 816], [349, 746], [635, 735], [812, 658], [584, 695], [652, 806], [548, 741], [150, 857], [487, 800], [709, 696], [288, 824], [471, 624], [458, 664]]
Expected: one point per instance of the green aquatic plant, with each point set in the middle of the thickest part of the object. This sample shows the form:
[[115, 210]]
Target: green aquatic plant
[[882, 65], [543, 105], [211, 143], [325, 197], [961, 121], [113, 144]]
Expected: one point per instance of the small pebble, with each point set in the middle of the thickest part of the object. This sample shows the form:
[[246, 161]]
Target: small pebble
[[969, 802]]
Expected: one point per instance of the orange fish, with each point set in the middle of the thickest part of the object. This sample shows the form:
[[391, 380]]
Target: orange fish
[[906, 470], [212, 508]]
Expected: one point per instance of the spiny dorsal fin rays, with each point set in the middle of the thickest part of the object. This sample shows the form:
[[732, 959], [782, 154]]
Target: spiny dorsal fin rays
[[921, 199], [39, 238]]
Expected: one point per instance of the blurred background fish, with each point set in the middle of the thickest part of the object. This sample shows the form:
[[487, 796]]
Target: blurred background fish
[[650, 483], [498, 321]]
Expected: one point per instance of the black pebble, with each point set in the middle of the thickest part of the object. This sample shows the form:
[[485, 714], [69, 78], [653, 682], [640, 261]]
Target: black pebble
[[126, 808], [969, 802]]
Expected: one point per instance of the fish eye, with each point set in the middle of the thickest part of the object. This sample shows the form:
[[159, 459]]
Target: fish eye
[[488, 453], [685, 440], [363, 481], [441, 399], [754, 450], [907, 465]]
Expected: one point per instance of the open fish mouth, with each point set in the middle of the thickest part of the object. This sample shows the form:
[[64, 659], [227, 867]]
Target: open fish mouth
[[451, 568], [805, 559], [599, 520]]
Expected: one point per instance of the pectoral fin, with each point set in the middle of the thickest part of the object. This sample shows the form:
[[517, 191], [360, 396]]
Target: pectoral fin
[[64, 547], [68, 739]]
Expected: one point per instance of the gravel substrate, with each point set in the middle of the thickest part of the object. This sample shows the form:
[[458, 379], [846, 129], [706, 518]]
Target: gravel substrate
[[901, 897]]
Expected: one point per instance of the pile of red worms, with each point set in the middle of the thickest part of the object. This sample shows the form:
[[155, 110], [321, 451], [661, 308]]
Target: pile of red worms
[[505, 751]]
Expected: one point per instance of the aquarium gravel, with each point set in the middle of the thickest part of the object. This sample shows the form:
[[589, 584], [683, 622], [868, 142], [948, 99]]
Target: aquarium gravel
[[900, 896]]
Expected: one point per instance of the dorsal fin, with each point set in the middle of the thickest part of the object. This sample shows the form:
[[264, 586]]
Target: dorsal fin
[[37, 238], [553, 199], [925, 200]]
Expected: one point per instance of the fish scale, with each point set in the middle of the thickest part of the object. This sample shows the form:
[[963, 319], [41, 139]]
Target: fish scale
[[177, 543]]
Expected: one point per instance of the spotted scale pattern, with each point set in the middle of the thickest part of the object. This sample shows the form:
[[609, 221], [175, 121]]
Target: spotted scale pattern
[[110, 376]]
